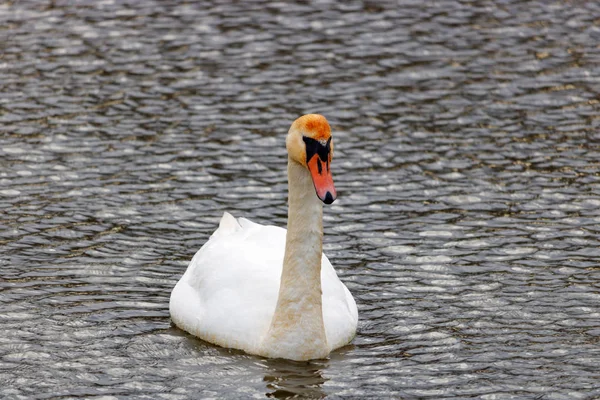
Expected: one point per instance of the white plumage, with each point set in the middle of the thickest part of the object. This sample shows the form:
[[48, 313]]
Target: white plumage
[[228, 294], [266, 290]]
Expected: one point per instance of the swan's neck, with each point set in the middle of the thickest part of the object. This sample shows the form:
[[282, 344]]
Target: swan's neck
[[297, 330]]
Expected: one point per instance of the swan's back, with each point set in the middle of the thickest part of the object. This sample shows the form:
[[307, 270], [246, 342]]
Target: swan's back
[[229, 291]]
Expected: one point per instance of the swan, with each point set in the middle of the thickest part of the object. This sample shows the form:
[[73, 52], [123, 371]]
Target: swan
[[265, 290]]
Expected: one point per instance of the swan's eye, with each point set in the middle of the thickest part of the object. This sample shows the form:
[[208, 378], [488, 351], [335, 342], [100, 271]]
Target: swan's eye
[[321, 148]]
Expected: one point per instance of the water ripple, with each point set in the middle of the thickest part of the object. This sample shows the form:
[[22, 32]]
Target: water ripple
[[466, 163]]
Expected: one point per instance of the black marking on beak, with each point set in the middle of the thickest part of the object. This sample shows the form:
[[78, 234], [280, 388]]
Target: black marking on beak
[[313, 147]]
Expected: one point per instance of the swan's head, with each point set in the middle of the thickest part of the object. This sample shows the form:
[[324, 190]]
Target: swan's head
[[309, 143]]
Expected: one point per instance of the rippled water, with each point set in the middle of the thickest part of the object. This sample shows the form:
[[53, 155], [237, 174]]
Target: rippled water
[[467, 165]]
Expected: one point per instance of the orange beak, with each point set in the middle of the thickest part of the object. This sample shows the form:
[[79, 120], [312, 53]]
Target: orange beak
[[322, 179]]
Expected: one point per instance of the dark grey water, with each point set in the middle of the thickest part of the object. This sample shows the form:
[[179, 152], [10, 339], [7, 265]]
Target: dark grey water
[[467, 166]]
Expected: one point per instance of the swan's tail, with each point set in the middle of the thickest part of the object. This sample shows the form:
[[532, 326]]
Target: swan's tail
[[227, 226]]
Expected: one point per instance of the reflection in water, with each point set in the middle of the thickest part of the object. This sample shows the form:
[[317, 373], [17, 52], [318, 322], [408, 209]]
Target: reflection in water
[[286, 379]]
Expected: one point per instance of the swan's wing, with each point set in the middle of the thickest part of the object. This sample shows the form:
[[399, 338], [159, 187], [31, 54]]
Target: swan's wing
[[339, 308], [229, 291]]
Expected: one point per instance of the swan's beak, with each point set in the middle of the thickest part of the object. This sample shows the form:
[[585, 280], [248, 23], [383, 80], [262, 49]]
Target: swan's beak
[[322, 179]]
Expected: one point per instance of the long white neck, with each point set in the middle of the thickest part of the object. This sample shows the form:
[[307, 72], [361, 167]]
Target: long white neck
[[297, 330]]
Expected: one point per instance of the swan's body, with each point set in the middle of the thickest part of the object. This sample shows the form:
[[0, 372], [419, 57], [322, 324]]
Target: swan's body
[[267, 291]]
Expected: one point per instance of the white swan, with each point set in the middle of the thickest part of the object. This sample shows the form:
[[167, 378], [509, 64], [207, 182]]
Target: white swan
[[254, 288]]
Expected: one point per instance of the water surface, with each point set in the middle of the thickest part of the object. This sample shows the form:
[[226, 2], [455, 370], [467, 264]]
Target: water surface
[[467, 223]]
